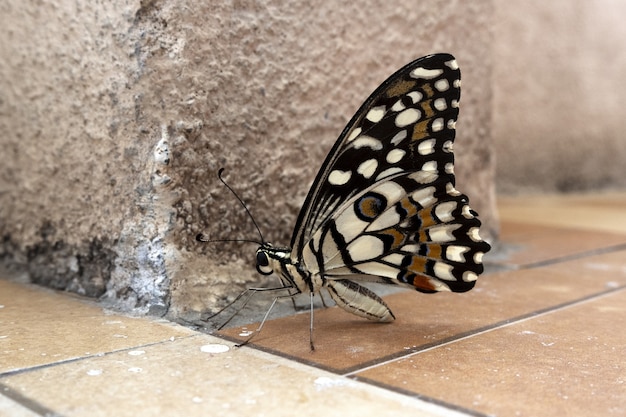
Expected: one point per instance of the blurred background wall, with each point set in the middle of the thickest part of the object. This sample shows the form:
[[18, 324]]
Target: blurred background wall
[[559, 85], [116, 116]]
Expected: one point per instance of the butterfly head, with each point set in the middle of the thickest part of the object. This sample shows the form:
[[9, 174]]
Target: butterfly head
[[269, 258]]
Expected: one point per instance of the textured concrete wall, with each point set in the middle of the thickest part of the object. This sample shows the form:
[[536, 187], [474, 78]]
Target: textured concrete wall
[[560, 95], [115, 117]]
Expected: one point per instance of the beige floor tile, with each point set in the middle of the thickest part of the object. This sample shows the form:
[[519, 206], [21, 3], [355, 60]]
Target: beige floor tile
[[194, 377], [565, 363], [39, 327], [345, 343], [523, 341], [8, 407]]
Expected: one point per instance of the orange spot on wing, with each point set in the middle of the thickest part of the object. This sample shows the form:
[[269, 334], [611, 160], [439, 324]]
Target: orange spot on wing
[[423, 282], [420, 130], [434, 251], [426, 218], [401, 87], [417, 265], [398, 237], [410, 208], [370, 206]]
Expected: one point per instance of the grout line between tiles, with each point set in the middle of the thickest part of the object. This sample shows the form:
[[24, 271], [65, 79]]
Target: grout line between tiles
[[33, 405], [424, 403], [432, 400], [498, 266], [489, 328], [450, 409], [426, 347], [574, 256], [80, 358]]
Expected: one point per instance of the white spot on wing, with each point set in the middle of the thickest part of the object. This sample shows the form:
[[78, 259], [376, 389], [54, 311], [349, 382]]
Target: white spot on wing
[[424, 177], [426, 147], [466, 211], [411, 248], [425, 197], [398, 106], [452, 64], [349, 225], [407, 117], [478, 257], [387, 219], [440, 104], [473, 234], [388, 172], [365, 247], [439, 285], [442, 233], [394, 258], [367, 141], [442, 85], [443, 271], [430, 166], [376, 114], [444, 211], [395, 155], [399, 137], [367, 168], [338, 177], [469, 276], [449, 168], [456, 253], [378, 269], [415, 96], [391, 191], [427, 74], [451, 190], [437, 124], [309, 258], [356, 132], [329, 249]]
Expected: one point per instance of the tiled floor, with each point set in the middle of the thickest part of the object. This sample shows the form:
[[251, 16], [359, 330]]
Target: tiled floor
[[542, 334]]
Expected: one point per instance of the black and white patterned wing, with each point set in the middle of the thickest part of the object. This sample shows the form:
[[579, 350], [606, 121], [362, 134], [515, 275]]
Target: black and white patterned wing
[[384, 205]]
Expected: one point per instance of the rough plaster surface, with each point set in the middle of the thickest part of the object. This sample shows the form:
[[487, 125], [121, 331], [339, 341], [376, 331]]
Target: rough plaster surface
[[559, 95], [116, 116]]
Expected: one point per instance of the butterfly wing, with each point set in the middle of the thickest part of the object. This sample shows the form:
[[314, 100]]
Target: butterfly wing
[[383, 206]]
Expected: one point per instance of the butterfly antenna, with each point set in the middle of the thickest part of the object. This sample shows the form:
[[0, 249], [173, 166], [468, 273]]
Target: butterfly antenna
[[219, 175], [201, 237]]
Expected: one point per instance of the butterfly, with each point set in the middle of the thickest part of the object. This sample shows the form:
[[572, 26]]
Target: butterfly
[[383, 207]]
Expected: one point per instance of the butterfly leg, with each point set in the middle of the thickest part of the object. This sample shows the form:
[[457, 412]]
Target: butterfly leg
[[323, 301], [293, 300], [258, 330], [248, 293], [311, 326]]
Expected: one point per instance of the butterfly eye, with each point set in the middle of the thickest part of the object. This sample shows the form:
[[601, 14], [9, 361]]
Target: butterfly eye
[[263, 263]]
